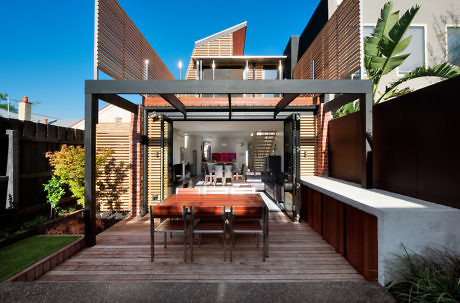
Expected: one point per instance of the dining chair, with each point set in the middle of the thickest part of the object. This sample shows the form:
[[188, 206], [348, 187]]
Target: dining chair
[[228, 173], [247, 220], [218, 173], [172, 220], [207, 174], [207, 220], [241, 173]]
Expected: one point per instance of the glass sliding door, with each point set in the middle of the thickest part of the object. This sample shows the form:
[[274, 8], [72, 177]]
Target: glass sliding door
[[291, 165]]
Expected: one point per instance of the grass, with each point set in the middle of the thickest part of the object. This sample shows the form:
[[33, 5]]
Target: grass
[[20, 255], [433, 277]]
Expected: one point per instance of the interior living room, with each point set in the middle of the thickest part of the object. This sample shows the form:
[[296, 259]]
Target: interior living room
[[232, 156]]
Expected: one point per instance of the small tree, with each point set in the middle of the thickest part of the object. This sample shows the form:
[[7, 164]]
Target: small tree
[[69, 165], [55, 192]]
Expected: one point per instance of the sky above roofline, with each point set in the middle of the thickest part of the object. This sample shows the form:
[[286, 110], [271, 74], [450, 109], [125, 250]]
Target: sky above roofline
[[47, 49]]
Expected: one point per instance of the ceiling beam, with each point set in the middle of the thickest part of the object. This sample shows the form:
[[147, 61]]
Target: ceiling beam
[[340, 101], [287, 98], [119, 102], [174, 101], [228, 86]]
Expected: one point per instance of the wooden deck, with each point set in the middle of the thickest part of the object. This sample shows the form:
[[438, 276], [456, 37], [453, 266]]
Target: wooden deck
[[122, 253]]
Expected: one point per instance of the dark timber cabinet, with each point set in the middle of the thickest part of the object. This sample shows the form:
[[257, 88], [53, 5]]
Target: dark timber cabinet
[[352, 232]]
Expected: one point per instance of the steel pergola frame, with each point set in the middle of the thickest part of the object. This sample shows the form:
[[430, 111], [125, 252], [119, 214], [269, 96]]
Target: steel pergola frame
[[109, 91]]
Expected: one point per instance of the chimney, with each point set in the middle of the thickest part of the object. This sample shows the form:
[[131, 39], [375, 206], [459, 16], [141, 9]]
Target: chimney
[[24, 112]]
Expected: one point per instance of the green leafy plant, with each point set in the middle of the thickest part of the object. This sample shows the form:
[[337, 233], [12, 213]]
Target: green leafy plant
[[433, 277], [55, 192], [382, 54], [69, 165]]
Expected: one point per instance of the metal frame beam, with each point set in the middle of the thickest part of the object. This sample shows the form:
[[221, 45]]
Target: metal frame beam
[[227, 86], [288, 98], [174, 101], [119, 102], [340, 101]]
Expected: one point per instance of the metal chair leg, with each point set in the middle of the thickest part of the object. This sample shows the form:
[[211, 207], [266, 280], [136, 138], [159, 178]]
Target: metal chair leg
[[225, 250], [165, 240], [231, 247], [185, 246]]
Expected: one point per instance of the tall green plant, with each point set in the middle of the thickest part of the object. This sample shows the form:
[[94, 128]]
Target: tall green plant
[[382, 50]]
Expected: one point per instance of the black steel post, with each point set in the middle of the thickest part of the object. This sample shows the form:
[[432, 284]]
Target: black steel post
[[144, 162], [89, 215]]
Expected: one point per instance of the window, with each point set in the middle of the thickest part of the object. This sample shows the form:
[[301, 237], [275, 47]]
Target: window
[[368, 30], [270, 73], [453, 44], [416, 49]]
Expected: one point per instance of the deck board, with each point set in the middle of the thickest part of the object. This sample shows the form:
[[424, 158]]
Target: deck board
[[122, 253]]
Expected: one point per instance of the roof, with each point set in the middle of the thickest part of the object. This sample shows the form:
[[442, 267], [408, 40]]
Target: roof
[[223, 33], [241, 59], [38, 118]]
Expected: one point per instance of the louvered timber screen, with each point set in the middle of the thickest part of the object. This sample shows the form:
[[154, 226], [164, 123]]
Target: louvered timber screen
[[122, 49], [114, 177], [336, 49]]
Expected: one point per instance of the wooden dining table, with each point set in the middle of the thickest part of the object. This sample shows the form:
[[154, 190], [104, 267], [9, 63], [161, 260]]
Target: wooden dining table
[[227, 200]]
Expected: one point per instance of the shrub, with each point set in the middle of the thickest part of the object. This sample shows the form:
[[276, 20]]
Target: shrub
[[55, 192], [434, 277], [69, 165]]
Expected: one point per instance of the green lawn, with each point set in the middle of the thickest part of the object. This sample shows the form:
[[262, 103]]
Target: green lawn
[[16, 257]]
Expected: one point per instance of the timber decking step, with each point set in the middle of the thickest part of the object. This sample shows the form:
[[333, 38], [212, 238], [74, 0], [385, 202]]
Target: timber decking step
[[122, 253]]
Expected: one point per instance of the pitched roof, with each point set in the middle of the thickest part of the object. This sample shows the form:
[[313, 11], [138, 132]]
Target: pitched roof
[[223, 33]]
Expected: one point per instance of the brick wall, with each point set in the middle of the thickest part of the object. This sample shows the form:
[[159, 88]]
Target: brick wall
[[322, 123]]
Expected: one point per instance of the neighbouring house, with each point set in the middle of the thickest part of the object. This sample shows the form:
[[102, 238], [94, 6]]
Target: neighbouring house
[[24, 112]]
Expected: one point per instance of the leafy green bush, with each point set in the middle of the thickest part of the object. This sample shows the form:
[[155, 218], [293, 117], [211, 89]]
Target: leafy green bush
[[55, 192], [69, 165], [434, 277]]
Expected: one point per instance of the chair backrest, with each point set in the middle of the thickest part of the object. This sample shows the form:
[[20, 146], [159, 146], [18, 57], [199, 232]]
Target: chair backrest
[[168, 211], [219, 171], [187, 190], [216, 190], [248, 212], [243, 190], [242, 169], [228, 171], [210, 166], [208, 212]]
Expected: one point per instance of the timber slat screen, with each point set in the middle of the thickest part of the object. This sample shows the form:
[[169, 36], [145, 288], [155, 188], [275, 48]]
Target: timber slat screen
[[122, 49], [34, 140], [308, 138], [113, 181], [336, 49], [154, 161]]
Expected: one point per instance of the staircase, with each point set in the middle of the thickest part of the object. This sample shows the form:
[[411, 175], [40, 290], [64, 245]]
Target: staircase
[[261, 148]]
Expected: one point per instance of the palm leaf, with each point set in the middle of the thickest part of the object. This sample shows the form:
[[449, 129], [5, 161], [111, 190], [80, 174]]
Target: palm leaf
[[390, 45], [444, 70]]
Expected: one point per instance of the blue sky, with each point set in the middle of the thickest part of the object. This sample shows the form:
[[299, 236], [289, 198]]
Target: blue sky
[[47, 46]]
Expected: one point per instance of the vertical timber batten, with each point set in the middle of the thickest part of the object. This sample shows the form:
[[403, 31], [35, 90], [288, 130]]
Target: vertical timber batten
[[91, 113]]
